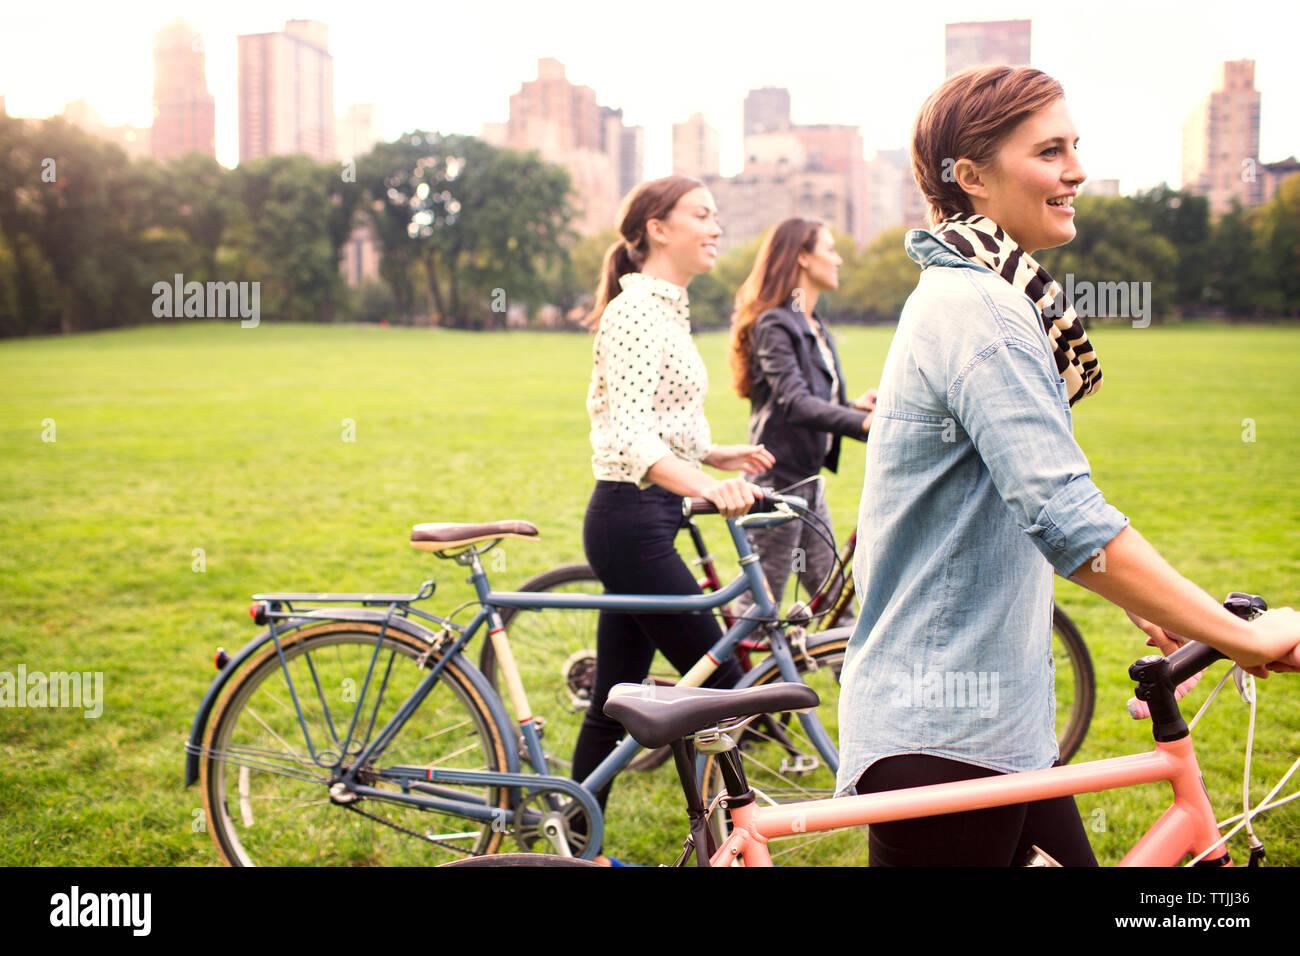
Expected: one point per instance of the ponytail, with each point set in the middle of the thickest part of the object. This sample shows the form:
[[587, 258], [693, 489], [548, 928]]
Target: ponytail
[[620, 259]]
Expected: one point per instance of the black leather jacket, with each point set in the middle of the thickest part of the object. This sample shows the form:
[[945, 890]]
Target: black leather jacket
[[792, 408]]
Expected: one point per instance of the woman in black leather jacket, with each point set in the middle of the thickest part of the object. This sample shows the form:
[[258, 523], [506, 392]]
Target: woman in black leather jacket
[[784, 361]]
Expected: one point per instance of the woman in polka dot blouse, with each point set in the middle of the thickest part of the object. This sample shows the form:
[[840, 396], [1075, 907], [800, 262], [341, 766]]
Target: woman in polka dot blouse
[[649, 437]]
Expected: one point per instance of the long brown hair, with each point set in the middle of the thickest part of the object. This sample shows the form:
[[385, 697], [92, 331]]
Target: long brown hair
[[968, 117], [770, 284], [653, 199]]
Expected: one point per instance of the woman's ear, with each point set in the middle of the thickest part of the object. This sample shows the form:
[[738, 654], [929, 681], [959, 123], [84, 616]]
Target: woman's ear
[[967, 175], [654, 229]]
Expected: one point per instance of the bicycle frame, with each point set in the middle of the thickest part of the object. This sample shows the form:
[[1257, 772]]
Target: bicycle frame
[[751, 580], [1188, 826]]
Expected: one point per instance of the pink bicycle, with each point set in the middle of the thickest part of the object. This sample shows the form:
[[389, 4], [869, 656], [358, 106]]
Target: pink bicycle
[[656, 716]]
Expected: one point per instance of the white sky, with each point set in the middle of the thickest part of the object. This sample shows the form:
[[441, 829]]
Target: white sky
[[1132, 69]]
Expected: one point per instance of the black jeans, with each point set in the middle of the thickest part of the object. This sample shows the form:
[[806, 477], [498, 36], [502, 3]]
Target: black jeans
[[998, 836], [628, 537]]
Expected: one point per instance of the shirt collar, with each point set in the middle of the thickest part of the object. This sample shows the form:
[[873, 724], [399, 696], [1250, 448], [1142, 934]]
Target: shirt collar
[[927, 250], [673, 294]]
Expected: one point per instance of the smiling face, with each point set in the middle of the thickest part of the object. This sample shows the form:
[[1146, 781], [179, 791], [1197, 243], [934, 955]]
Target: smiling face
[[687, 238], [1030, 186], [820, 269]]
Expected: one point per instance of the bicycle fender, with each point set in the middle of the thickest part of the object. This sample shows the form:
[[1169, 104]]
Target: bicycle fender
[[194, 745]]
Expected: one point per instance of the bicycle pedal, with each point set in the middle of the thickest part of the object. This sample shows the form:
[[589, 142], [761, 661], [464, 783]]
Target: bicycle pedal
[[800, 765]]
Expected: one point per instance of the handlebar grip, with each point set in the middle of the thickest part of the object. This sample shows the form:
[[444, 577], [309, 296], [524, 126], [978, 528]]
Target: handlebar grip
[[702, 506], [1193, 657]]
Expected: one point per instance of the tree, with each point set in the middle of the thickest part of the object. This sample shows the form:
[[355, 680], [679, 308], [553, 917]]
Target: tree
[[1278, 245], [1116, 243], [875, 283], [81, 225], [482, 223], [282, 235], [1239, 263], [1183, 218]]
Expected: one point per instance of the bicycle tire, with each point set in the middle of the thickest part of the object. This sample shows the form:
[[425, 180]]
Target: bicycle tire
[[250, 765], [522, 859], [1077, 685], [768, 742], [546, 645]]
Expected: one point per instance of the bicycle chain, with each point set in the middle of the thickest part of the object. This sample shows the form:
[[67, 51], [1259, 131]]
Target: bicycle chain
[[421, 836]]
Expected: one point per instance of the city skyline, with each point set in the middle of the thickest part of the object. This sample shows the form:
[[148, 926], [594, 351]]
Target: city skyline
[[862, 69]]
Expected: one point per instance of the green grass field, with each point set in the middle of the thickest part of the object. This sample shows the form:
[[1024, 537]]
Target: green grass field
[[169, 440]]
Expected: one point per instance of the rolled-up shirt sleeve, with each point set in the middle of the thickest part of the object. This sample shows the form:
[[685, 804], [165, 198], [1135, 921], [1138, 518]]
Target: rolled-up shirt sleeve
[[633, 361], [1009, 401]]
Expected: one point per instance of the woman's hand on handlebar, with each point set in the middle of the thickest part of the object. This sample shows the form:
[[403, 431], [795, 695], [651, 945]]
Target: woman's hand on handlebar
[[754, 459], [732, 496], [866, 402], [1279, 626]]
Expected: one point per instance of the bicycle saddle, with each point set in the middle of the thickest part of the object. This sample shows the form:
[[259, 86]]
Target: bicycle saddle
[[656, 715], [442, 536]]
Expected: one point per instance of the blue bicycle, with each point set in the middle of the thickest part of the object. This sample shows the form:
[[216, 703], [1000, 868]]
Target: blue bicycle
[[356, 731]]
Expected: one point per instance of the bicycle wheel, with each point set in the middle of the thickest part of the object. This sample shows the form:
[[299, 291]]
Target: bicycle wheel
[[555, 652], [783, 765], [1076, 687], [266, 794]]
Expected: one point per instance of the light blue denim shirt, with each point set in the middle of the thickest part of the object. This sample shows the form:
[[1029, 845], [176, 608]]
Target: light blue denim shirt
[[975, 492]]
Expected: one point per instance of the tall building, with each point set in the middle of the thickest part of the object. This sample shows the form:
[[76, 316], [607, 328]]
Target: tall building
[[1271, 175], [810, 171], [767, 110], [986, 43], [286, 92], [695, 148], [1221, 140], [625, 145], [357, 131], [893, 198], [566, 126], [631, 158], [837, 148], [184, 112]]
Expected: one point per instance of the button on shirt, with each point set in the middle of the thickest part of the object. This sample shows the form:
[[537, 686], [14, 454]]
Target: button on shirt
[[975, 492], [648, 383]]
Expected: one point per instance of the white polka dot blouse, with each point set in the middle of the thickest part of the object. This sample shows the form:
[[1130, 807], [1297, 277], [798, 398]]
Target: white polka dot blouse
[[648, 383]]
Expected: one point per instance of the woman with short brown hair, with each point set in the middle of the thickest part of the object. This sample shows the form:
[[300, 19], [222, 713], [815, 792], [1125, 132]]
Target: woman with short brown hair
[[976, 491]]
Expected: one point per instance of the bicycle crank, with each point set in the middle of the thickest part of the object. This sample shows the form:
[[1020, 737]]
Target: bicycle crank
[[552, 816]]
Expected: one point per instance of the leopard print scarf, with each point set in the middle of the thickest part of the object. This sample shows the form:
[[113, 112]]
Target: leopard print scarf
[[982, 240]]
